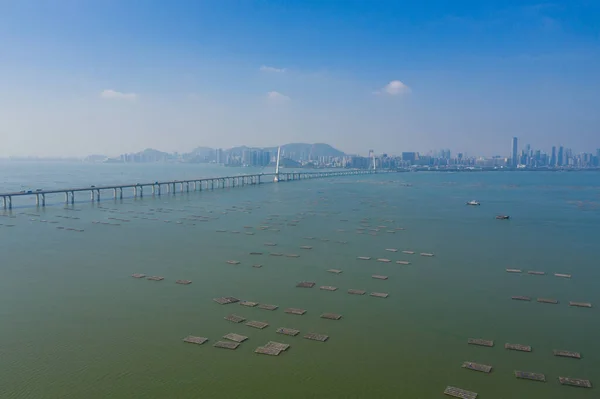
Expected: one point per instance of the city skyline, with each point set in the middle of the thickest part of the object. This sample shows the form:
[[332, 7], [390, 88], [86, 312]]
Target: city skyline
[[86, 77]]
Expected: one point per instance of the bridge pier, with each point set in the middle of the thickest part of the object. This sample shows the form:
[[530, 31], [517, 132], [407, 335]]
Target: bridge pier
[[92, 195], [134, 191], [7, 202]]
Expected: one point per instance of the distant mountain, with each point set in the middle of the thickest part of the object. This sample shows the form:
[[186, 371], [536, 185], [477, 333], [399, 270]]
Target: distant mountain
[[305, 151]]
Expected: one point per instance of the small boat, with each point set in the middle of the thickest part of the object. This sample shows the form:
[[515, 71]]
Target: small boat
[[502, 217], [473, 203]]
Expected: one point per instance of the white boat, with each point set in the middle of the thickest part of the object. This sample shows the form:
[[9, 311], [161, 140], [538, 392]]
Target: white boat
[[473, 203]]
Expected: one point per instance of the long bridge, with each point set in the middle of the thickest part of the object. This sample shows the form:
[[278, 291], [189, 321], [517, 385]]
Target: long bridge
[[171, 187]]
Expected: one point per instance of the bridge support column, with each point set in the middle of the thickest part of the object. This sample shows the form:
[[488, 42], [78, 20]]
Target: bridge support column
[[43, 199], [92, 195], [98, 195], [37, 200], [194, 186], [174, 189], [141, 191], [114, 193], [4, 202], [9, 202], [121, 193], [134, 191], [158, 188], [187, 186], [72, 197]]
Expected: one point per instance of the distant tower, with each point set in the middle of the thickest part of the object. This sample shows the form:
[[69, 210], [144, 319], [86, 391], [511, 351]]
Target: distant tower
[[276, 178], [560, 158], [514, 158], [553, 157]]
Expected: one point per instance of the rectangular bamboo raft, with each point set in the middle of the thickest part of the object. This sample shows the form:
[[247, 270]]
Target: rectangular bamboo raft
[[403, 262], [526, 375], [226, 300], [235, 318], [459, 393], [295, 311], [408, 252], [379, 277], [138, 275], [384, 260], [305, 247], [256, 253], [270, 244], [195, 340], [356, 292], [518, 347], [267, 351], [277, 345], [336, 271], [235, 337], [288, 331], [536, 273], [257, 324], [317, 337], [267, 307], [275, 254], [562, 275], [379, 294], [249, 304], [184, 282], [226, 345], [575, 382], [514, 270], [547, 300], [364, 258], [155, 278], [391, 249], [480, 342], [233, 262], [581, 304], [292, 255], [331, 316], [574, 355], [426, 254], [328, 288], [305, 284], [521, 298], [477, 367]]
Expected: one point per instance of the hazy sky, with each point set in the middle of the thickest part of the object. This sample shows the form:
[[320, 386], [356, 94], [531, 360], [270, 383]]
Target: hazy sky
[[114, 76]]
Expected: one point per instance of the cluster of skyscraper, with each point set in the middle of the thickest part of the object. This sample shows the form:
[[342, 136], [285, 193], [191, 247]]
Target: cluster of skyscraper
[[558, 158]]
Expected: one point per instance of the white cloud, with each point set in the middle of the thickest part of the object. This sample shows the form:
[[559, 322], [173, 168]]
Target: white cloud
[[277, 96], [113, 94], [265, 68], [394, 88]]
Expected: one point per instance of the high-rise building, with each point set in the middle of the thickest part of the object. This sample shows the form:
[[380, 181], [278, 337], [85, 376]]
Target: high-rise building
[[514, 153], [219, 156], [560, 159], [553, 157]]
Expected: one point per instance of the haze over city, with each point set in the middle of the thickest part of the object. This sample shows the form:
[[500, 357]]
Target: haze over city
[[115, 77]]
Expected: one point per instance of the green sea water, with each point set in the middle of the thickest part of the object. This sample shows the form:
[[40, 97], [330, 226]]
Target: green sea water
[[74, 324]]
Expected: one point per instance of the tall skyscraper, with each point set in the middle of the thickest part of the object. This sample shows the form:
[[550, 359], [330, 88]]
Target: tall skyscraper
[[514, 158], [560, 159], [553, 157]]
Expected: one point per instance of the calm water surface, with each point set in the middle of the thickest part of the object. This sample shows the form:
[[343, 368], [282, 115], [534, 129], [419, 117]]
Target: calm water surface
[[74, 324]]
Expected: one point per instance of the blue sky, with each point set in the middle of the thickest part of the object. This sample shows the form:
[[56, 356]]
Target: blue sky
[[81, 77]]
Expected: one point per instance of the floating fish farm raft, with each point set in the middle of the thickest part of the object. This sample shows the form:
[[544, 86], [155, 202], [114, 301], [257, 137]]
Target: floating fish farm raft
[[459, 393], [225, 300], [364, 258], [536, 273], [295, 311], [235, 318], [184, 282], [336, 271], [138, 275], [249, 304], [379, 294], [521, 298], [480, 342], [317, 337], [305, 284], [155, 278], [379, 277], [267, 307], [547, 300], [257, 324], [331, 316], [356, 292], [233, 262], [574, 355], [384, 260], [195, 340], [518, 347], [575, 382], [526, 375], [235, 337], [562, 275], [477, 367], [402, 262], [262, 350], [328, 288], [581, 304], [226, 345], [288, 331], [277, 345], [514, 270], [408, 252]]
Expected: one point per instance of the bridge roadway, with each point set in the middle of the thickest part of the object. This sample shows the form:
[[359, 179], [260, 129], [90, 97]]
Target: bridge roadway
[[171, 186]]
